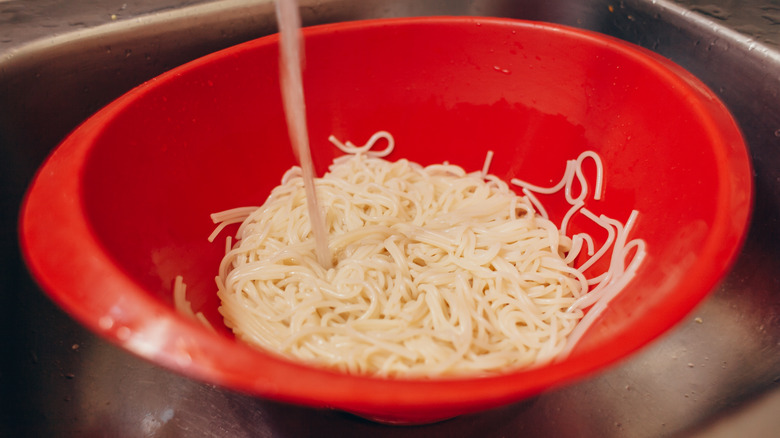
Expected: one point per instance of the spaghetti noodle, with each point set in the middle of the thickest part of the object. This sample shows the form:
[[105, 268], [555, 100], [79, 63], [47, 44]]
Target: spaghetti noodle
[[437, 271]]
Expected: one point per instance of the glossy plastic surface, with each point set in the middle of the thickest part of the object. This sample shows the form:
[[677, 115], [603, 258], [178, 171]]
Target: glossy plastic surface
[[123, 204]]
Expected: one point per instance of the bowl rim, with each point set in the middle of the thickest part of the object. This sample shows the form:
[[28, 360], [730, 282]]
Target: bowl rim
[[140, 326]]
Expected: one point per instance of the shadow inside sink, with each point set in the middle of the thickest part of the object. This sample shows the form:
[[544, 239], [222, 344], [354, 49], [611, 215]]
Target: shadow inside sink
[[68, 382]]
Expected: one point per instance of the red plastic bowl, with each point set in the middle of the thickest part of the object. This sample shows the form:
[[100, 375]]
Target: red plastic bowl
[[122, 205]]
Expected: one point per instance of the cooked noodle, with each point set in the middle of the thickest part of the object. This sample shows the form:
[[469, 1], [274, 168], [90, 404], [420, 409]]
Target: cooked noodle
[[437, 271], [184, 306]]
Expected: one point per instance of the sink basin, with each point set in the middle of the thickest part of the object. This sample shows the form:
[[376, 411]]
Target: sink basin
[[713, 374]]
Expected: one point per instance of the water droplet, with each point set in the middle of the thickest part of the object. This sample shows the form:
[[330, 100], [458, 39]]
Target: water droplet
[[777, 133], [184, 359], [106, 322], [123, 333], [502, 70], [166, 415]]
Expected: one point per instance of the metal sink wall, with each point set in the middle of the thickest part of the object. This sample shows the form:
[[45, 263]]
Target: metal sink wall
[[716, 374]]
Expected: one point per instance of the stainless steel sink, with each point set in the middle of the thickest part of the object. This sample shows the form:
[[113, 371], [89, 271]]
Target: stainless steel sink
[[716, 375]]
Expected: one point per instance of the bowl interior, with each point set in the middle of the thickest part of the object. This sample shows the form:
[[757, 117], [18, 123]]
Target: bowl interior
[[133, 187]]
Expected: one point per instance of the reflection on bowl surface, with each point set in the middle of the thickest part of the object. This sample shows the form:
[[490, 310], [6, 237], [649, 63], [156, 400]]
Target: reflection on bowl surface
[[122, 206]]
